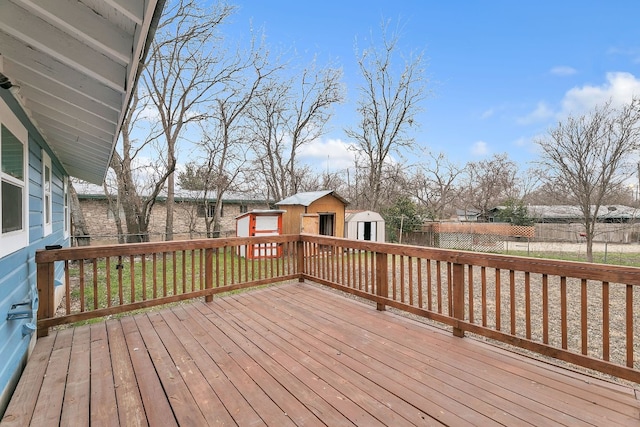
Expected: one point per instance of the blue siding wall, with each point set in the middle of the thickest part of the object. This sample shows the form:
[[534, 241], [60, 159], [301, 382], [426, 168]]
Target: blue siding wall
[[18, 270]]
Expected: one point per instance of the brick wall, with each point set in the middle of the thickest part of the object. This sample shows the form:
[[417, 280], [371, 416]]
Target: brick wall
[[187, 223]]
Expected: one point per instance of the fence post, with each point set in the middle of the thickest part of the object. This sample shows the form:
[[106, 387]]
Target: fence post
[[46, 294], [300, 254], [458, 296], [382, 279], [208, 272]]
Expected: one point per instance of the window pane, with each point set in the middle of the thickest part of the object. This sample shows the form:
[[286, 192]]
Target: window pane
[[11, 207], [47, 179], [12, 155]]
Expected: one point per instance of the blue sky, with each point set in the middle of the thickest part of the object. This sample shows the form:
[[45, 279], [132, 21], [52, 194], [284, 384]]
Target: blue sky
[[501, 72]]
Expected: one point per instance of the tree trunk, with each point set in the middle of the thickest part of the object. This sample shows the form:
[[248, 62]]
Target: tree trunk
[[80, 231], [170, 206]]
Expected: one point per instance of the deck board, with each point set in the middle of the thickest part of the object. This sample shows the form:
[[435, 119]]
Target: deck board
[[296, 354]]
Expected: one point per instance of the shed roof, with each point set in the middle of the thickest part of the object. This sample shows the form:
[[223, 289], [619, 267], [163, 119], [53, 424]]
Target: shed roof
[[307, 198]]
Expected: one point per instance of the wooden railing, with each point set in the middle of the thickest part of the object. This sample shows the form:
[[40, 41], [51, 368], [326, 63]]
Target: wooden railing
[[581, 313], [577, 312], [106, 280]]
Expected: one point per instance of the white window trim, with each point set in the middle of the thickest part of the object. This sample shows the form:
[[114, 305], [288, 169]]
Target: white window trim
[[47, 225], [66, 210], [16, 240]]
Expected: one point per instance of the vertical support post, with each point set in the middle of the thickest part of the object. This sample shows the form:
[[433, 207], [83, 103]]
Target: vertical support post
[[382, 278], [458, 296], [208, 272], [300, 254], [46, 294]]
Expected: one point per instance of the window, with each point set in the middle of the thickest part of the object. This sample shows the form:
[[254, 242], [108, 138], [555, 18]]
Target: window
[[13, 179], [210, 209], [243, 209], [46, 194]]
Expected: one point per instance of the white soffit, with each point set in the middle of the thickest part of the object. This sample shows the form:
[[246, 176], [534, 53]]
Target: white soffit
[[75, 63]]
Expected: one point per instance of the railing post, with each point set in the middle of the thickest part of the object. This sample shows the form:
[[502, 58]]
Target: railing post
[[458, 296], [300, 254], [208, 272], [46, 294], [382, 278]]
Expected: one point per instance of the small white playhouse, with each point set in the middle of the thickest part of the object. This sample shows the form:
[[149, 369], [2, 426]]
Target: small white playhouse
[[260, 223], [364, 225]]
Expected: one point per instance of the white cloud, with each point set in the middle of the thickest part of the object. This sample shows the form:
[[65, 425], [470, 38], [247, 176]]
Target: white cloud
[[333, 153], [563, 70], [541, 113], [488, 113], [620, 88], [479, 148]]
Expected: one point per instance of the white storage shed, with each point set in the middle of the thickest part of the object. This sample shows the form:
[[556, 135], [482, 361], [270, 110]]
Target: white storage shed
[[364, 225]]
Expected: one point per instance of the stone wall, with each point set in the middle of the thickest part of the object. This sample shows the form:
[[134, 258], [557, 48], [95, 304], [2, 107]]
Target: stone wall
[[189, 222]]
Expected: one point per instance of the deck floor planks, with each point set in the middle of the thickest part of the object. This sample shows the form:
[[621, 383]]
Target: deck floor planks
[[329, 365], [182, 402], [49, 406], [75, 409], [246, 355], [285, 356], [23, 402], [157, 407], [235, 403], [573, 400], [203, 394], [130, 408], [451, 374], [360, 349], [296, 354], [101, 376], [244, 381]]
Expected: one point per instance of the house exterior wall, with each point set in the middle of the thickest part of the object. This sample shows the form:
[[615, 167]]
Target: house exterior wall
[[188, 220], [18, 269]]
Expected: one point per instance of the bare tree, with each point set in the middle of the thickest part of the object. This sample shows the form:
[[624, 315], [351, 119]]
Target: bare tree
[[593, 154], [435, 185], [80, 230], [390, 99], [490, 182], [286, 115], [185, 62]]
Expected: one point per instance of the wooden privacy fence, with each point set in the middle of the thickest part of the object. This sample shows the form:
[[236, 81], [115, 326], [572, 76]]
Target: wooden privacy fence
[[577, 312]]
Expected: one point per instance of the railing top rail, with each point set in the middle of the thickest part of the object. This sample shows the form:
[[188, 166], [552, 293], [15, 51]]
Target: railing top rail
[[101, 251], [582, 270]]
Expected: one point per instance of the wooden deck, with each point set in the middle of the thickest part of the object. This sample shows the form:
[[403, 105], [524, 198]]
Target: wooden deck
[[295, 354]]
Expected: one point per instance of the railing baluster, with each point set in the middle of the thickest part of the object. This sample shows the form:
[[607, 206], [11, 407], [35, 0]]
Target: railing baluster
[[527, 304], [144, 276], [629, 326], [439, 285], [583, 316], [419, 266], [606, 352], [82, 285], [132, 278], [95, 283], [563, 311], [498, 301], [471, 297], [483, 275], [545, 309]]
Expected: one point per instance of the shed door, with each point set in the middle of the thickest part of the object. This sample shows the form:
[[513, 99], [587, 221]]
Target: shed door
[[309, 224], [366, 230]]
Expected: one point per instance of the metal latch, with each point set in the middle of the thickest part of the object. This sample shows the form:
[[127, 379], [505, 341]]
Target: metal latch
[[20, 310]]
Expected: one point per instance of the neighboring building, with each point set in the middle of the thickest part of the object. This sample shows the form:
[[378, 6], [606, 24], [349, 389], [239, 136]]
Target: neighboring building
[[467, 215], [567, 214], [364, 225], [315, 212], [67, 72], [190, 212]]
